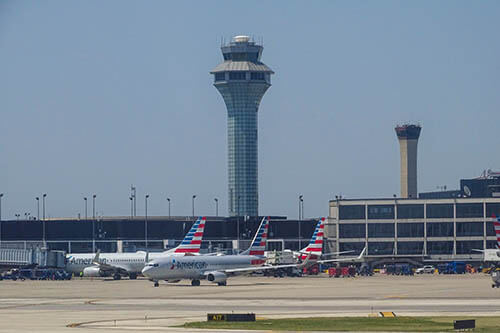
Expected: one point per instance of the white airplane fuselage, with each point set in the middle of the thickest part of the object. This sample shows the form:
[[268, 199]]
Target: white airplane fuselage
[[197, 267], [131, 262]]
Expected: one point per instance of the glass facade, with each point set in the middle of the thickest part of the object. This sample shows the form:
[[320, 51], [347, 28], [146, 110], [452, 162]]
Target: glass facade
[[440, 229], [352, 230], [439, 211], [467, 247], [410, 230], [381, 230], [469, 210], [352, 212], [356, 247], [445, 247], [380, 248], [410, 211], [492, 208], [467, 229], [415, 248], [380, 212]]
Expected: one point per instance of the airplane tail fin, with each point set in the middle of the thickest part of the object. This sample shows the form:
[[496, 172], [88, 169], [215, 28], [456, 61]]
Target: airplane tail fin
[[192, 241], [260, 239], [496, 224], [315, 246]]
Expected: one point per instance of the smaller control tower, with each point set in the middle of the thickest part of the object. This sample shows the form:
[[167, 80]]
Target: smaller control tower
[[408, 140]]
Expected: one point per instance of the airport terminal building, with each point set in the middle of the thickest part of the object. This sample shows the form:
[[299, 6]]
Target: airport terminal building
[[415, 229]]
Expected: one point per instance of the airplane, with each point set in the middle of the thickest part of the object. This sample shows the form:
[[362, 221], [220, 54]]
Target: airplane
[[493, 255], [131, 264], [217, 269]]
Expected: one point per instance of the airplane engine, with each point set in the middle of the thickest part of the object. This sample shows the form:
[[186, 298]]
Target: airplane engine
[[92, 272], [216, 277]]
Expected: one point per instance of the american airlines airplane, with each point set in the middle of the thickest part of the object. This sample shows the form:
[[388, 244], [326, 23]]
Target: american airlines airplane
[[217, 269], [131, 264]]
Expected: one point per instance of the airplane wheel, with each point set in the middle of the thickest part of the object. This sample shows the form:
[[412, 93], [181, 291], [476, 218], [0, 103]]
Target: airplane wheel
[[132, 276], [117, 277], [195, 283], [157, 284], [222, 283]]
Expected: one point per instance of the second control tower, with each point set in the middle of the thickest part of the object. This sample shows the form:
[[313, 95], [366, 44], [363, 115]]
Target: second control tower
[[242, 80]]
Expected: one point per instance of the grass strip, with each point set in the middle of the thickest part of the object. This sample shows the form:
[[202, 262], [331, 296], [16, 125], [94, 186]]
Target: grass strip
[[356, 324]]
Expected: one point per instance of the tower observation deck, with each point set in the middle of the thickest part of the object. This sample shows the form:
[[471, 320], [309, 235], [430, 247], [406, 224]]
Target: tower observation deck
[[242, 80], [408, 140]]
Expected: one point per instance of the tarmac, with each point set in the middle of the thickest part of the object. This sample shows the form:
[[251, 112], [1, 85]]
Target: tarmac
[[101, 305]]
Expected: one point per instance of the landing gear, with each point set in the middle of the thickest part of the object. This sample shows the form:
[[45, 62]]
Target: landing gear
[[132, 276], [222, 283], [195, 283], [156, 284], [117, 276]]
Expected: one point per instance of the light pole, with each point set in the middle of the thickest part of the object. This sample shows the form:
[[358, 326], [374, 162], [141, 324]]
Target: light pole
[[301, 200], [146, 221], [86, 216], [43, 223], [216, 207], [27, 216], [192, 202], [131, 207], [93, 222], [238, 224], [1, 195], [38, 207], [168, 199]]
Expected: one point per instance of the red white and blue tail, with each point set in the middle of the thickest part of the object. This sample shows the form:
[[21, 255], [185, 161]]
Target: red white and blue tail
[[496, 224], [315, 246], [260, 240], [192, 241]]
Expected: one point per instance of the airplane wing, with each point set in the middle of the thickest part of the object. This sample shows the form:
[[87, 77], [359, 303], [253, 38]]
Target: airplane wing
[[107, 268], [342, 259], [250, 269]]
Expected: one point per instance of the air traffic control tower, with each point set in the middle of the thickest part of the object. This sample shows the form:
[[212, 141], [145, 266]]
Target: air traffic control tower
[[242, 80], [408, 139]]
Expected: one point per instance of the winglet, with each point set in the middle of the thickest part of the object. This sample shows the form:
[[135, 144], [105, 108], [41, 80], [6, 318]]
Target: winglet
[[146, 257], [361, 255], [95, 261]]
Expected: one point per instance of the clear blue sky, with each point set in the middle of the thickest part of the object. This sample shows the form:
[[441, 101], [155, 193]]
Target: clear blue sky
[[98, 95]]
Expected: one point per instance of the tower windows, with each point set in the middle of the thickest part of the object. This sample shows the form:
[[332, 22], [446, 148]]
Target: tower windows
[[220, 76], [237, 75], [257, 76]]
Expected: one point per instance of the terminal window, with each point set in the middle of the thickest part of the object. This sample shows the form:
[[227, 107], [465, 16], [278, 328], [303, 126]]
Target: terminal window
[[440, 247], [381, 212], [352, 212], [440, 229], [380, 248], [470, 210], [492, 209], [440, 211], [381, 230], [356, 247], [410, 230], [410, 248], [467, 247], [352, 230], [467, 229], [410, 211]]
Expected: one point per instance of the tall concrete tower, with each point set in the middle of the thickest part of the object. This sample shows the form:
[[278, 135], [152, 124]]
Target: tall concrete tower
[[242, 80], [408, 139]]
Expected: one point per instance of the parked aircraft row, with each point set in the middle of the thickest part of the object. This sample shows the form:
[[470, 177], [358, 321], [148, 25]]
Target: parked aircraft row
[[185, 261]]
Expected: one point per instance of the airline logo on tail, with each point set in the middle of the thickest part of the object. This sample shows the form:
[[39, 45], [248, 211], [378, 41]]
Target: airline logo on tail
[[259, 241], [315, 246], [192, 241], [496, 224]]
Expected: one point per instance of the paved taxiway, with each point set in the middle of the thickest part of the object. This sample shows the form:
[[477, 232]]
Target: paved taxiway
[[99, 305]]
